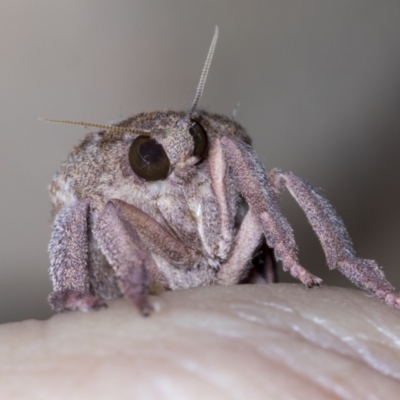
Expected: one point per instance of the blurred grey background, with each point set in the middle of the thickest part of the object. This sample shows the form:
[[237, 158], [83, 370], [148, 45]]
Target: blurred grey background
[[318, 86]]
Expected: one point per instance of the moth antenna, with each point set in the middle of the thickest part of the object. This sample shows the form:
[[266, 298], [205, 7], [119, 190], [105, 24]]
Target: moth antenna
[[111, 128], [204, 73]]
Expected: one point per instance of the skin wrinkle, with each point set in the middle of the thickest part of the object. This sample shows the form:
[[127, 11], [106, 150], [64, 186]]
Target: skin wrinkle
[[360, 349], [255, 351], [223, 389], [276, 365], [362, 353], [295, 367], [356, 354], [387, 334], [293, 370], [310, 382], [353, 353]]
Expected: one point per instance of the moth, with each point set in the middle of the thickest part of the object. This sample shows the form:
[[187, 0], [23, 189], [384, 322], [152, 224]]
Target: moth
[[173, 200]]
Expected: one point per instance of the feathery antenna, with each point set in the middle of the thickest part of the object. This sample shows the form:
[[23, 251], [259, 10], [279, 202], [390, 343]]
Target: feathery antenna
[[111, 128], [204, 73]]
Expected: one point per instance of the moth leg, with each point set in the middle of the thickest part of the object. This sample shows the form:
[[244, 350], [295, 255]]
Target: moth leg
[[120, 244], [334, 238], [126, 236], [237, 266], [253, 184], [68, 249], [157, 239]]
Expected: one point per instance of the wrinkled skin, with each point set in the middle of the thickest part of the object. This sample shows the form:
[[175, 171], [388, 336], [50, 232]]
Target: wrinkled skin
[[252, 341]]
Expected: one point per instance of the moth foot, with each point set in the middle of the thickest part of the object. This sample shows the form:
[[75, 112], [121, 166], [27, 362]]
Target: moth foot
[[392, 299], [306, 278], [146, 309], [142, 303], [72, 300]]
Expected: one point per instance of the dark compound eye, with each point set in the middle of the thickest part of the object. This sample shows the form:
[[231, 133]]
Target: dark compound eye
[[200, 139], [148, 159]]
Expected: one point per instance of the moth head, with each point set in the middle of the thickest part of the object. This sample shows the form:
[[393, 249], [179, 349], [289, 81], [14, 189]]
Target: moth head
[[185, 143]]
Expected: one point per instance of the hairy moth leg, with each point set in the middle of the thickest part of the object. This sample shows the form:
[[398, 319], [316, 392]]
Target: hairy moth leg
[[126, 236], [334, 238], [255, 188], [156, 238], [221, 183], [126, 254], [237, 267], [68, 249]]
